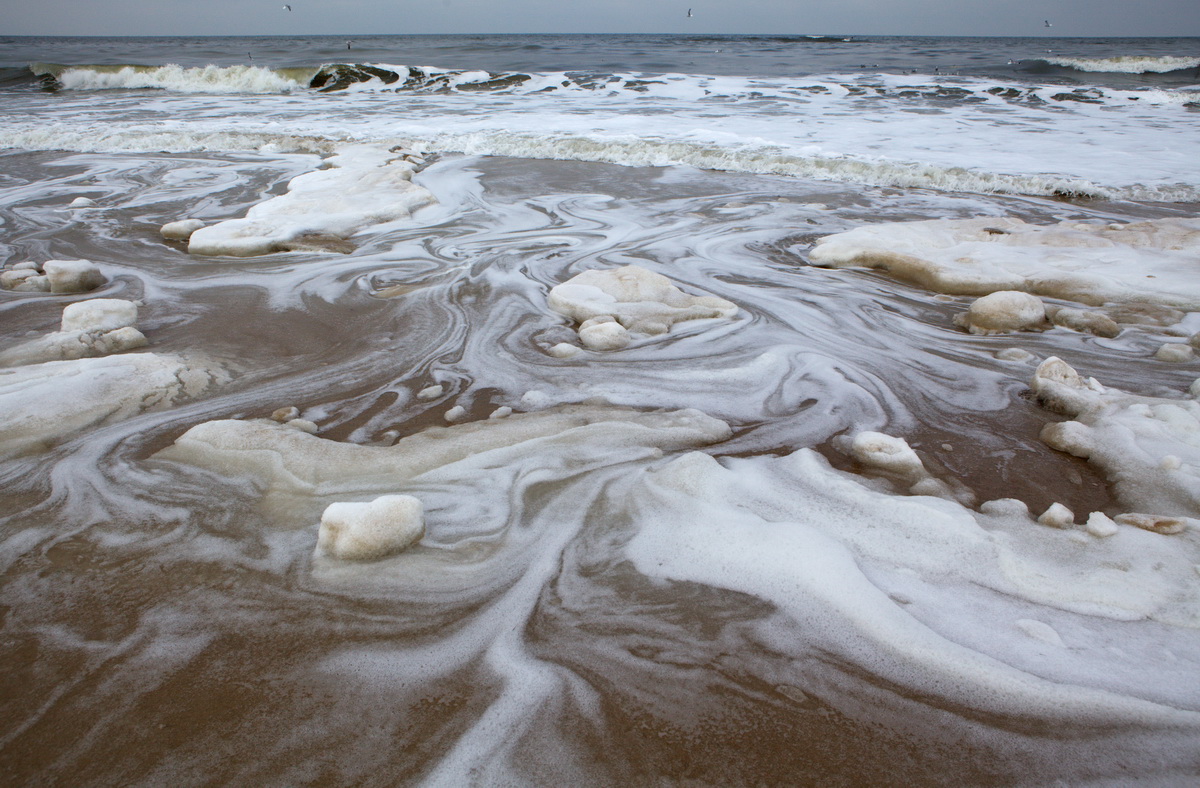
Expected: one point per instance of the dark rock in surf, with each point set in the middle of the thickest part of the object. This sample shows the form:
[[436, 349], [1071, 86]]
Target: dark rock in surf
[[339, 76]]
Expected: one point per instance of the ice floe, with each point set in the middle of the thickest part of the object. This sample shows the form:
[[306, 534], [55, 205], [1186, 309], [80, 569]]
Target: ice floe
[[295, 468], [46, 403], [612, 305], [362, 186], [1091, 263]]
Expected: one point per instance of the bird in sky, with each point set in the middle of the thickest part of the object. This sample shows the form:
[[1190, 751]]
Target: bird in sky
[[689, 16], [1048, 23], [287, 8]]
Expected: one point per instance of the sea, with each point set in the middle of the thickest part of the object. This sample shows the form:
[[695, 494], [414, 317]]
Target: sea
[[667, 563]]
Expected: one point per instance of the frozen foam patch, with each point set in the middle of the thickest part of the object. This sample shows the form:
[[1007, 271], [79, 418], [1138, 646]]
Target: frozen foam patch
[[1147, 447], [363, 186], [295, 468], [612, 304], [899, 586], [352, 531], [49, 402], [1091, 263]]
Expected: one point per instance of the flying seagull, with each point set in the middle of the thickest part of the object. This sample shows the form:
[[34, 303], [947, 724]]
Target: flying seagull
[[1047, 21], [287, 8], [689, 16]]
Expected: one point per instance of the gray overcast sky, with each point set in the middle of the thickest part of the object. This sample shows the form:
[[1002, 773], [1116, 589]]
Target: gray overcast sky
[[864, 17]]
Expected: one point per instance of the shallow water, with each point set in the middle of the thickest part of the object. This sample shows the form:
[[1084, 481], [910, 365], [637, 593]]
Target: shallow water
[[163, 624]]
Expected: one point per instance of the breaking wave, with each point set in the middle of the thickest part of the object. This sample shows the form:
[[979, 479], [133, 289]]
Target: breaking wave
[[630, 151], [342, 77], [205, 79], [1128, 64], [772, 161]]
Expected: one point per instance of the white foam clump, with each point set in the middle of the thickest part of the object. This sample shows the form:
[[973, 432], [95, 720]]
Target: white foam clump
[[48, 402], [1091, 263], [353, 531], [363, 186], [295, 468], [53, 276], [96, 327], [1002, 312], [831, 553], [611, 305], [1148, 447]]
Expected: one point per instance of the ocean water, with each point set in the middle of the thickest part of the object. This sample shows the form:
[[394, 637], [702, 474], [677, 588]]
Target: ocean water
[[672, 564]]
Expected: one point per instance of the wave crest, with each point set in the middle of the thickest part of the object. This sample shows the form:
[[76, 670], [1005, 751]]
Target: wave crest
[[1127, 64], [203, 79]]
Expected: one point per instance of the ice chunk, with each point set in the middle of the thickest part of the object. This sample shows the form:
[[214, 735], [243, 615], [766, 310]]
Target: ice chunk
[[895, 459], [1004, 311], [53, 276], [456, 414], [1091, 263], [181, 230], [603, 335], [888, 454], [96, 327], [99, 314], [364, 186], [1101, 525], [1057, 516], [563, 350], [372, 530], [46, 403], [72, 276], [1084, 320], [1175, 352], [1008, 507], [610, 304], [431, 392], [25, 279], [82, 202], [1058, 387], [1150, 522], [304, 425], [285, 414]]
